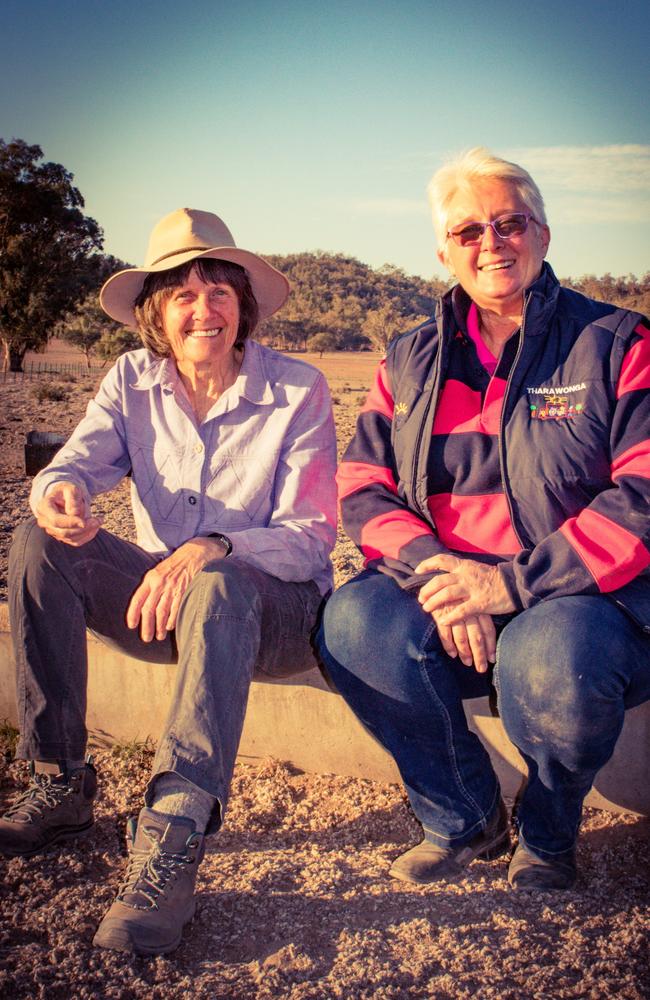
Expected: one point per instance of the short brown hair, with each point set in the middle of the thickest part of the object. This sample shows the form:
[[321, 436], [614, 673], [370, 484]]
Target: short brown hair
[[158, 288]]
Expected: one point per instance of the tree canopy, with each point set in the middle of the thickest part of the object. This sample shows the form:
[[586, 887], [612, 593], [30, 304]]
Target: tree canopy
[[339, 296], [49, 250], [91, 331], [627, 291]]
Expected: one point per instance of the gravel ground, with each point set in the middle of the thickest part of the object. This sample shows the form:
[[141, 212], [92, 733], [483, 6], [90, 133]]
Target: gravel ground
[[294, 898]]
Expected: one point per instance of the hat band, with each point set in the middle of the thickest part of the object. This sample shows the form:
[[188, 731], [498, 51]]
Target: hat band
[[174, 253]]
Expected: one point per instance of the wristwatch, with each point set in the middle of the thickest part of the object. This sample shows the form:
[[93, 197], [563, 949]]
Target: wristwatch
[[225, 541]]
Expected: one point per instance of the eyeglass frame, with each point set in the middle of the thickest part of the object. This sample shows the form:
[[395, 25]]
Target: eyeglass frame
[[491, 225]]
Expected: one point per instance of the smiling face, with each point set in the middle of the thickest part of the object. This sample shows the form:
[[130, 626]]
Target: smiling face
[[201, 321], [496, 271]]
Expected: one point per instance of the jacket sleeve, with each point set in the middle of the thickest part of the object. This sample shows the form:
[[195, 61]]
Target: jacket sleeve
[[391, 536], [607, 544]]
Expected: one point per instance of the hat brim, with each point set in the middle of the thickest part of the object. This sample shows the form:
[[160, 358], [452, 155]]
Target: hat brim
[[270, 287]]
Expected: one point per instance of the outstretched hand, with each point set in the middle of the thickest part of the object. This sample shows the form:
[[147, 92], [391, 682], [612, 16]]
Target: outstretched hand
[[63, 514], [155, 604]]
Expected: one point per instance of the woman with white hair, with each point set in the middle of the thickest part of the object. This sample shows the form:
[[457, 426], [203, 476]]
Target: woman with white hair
[[498, 486], [231, 451]]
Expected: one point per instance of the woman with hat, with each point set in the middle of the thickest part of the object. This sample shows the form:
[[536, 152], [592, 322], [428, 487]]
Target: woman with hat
[[231, 451]]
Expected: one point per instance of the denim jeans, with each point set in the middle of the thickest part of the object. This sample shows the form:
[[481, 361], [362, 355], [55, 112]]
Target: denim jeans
[[565, 672], [234, 620]]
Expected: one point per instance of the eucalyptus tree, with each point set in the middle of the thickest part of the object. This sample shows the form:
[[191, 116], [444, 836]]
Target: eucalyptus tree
[[49, 250]]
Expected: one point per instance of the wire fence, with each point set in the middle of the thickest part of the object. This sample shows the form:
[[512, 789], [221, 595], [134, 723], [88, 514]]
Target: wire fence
[[34, 369]]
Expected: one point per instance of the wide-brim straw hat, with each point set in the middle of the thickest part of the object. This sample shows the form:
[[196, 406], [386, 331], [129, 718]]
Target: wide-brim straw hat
[[189, 234]]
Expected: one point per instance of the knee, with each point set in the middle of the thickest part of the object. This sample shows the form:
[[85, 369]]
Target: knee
[[555, 674], [374, 631], [27, 535], [346, 620], [227, 587], [31, 548], [561, 652]]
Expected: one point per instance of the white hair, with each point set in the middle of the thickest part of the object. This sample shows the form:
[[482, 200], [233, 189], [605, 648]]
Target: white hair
[[479, 164]]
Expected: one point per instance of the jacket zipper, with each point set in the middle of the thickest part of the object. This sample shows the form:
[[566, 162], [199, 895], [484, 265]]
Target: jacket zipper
[[502, 459], [435, 390], [630, 614]]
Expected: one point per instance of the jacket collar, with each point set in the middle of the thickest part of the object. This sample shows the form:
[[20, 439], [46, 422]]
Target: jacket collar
[[540, 301]]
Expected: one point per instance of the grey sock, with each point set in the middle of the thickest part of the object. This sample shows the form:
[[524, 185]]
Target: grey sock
[[55, 767], [176, 796]]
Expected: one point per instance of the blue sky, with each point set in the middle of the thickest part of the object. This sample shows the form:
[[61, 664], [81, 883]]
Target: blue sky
[[317, 125]]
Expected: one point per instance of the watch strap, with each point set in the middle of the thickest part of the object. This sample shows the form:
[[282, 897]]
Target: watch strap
[[225, 541]]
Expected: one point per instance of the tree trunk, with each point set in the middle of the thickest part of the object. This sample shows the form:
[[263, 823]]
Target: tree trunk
[[16, 356], [12, 356]]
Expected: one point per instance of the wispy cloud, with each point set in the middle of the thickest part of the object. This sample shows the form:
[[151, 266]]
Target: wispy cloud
[[580, 184], [585, 208], [590, 183], [591, 168]]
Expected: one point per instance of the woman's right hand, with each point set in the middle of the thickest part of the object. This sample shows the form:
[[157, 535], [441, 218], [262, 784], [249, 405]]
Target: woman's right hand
[[473, 641], [155, 604], [62, 514]]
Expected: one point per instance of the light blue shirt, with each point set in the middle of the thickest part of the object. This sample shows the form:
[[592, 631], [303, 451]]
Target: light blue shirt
[[259, 468]]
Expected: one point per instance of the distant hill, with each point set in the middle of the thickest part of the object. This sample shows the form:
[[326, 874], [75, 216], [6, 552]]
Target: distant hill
[[340, 296], [339, 303]]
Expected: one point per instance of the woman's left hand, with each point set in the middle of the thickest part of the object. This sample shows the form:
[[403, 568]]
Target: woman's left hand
[[473, 641], [462, 589], [154, 605]]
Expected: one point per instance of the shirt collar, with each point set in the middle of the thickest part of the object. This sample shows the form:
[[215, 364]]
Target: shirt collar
[[253, 383], [161, 371]]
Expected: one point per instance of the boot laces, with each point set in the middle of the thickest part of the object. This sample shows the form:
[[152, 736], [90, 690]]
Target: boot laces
[[42, 794], [150, 869]]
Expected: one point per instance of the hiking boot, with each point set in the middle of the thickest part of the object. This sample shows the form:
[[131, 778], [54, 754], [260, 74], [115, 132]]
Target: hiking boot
[[528, 871], [156, 899], [54, 808], [427, 862]]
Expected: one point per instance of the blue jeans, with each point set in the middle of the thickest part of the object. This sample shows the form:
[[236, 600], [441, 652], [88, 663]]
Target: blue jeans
[[566, 671], [234, 620]]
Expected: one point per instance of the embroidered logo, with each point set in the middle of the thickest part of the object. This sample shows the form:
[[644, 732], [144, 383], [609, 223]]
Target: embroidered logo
[[401, 409], [558, 404]]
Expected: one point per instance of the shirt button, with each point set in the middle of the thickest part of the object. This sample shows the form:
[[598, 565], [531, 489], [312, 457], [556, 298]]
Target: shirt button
[[198, 449], [191, 500]]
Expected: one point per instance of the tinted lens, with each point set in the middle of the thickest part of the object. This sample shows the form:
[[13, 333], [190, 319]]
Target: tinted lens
[[469, 235], [510, 225], [505, 227]]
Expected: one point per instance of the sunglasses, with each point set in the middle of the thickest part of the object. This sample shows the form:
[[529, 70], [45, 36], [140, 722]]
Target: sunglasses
[[506, 227]]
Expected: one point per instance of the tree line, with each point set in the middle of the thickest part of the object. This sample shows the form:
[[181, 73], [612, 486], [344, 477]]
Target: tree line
[[53, 264]]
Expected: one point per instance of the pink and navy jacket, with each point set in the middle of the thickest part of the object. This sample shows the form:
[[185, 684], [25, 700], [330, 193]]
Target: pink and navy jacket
[[565, 421]]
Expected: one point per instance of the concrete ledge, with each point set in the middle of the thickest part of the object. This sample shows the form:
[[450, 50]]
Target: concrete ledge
[[302, 721]]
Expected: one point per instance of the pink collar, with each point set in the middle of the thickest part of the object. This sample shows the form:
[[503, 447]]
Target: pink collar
[[485, 355]]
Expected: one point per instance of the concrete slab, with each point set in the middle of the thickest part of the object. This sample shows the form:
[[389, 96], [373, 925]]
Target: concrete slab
[[300, 720]]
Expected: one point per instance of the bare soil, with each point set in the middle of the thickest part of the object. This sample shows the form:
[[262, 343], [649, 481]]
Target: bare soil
[[294, 897]]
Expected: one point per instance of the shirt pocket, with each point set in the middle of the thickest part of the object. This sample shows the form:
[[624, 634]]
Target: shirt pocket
[[240, 492], [156, 475]]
